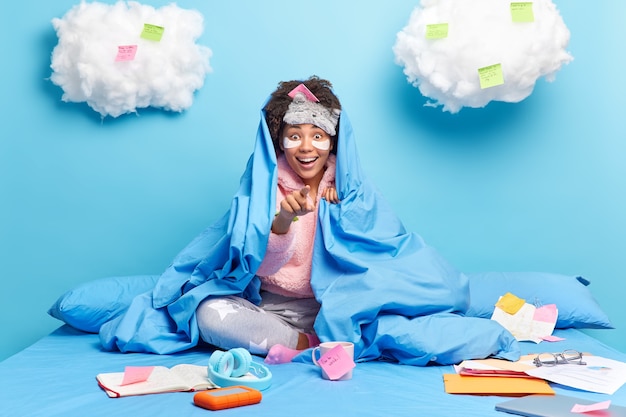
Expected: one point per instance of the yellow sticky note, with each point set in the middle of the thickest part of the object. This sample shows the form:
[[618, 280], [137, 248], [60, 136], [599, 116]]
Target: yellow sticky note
[[522, 12], [152, 32], [491, 76], [437, 31], [510, 303]]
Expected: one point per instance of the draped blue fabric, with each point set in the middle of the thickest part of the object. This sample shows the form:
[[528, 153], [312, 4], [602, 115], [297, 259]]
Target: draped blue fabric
[[380, 286], [221, 260]]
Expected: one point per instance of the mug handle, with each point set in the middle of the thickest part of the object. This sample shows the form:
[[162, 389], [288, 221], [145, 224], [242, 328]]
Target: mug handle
[[313, 355]]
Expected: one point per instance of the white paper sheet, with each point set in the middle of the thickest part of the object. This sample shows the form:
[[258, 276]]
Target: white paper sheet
[[598, 375]]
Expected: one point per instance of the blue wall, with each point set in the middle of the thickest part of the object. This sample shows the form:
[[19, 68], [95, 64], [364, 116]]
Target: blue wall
[[533, 186]]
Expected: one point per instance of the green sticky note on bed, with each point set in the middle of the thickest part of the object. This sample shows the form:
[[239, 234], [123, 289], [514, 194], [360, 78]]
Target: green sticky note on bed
[[437, 31], [152, 32], [491, 76], [522, 12]]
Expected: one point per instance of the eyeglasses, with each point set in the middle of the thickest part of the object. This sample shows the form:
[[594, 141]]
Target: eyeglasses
[[568, 356]]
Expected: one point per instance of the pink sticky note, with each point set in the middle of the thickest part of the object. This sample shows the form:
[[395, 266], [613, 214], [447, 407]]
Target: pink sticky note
[[547, 313], [134, 374], [552, 338], [301, 88], [579, 408], [126, 53], [336, 362]]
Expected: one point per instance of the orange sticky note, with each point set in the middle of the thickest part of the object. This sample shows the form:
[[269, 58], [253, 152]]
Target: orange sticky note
[[510, 304], [135, 374]]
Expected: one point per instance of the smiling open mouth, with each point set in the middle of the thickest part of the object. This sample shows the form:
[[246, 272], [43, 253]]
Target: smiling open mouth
[[307, 160]]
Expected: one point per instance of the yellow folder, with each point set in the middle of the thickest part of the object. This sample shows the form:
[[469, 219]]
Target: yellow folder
[[495, 385]]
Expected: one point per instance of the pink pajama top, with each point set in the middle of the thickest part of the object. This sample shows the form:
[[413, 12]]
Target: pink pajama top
[[286, 268]]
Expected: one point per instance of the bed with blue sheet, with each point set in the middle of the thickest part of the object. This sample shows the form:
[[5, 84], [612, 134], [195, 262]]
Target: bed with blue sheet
[[56, 375], [409, 313]]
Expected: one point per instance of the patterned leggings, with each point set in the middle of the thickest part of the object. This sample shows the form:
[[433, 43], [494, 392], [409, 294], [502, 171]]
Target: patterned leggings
[[228, 322]]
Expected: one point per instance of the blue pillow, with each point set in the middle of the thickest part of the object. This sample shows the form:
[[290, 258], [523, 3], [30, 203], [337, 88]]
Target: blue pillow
[[446, 339], [93, 303], [440, 338], [577, 307]]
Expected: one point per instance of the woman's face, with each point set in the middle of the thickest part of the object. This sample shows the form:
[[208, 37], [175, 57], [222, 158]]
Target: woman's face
[[306, 148]]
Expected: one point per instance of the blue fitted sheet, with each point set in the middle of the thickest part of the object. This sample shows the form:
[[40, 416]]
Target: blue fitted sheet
[[56, 377]]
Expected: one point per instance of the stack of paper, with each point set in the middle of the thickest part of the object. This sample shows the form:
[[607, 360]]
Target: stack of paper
[[501, 377], [496, 367], [495, 377]]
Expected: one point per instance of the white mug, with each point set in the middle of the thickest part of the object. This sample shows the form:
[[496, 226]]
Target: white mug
[[325, 347]]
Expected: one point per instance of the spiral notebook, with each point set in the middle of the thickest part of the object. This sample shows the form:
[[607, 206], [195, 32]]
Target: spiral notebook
[[554, 406]]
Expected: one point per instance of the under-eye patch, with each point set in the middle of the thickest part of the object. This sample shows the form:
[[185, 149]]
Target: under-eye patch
[[288, 143], [322, 145]]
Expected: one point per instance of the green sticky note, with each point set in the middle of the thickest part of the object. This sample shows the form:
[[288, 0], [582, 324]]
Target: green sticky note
[[437, 31], [152, 32], [522, 12], [490, 76]]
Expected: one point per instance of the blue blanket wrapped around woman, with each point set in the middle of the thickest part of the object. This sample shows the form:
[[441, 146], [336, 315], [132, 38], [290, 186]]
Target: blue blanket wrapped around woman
[[380, 287]]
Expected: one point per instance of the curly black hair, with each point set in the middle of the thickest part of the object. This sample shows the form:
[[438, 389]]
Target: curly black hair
[[279, 101]]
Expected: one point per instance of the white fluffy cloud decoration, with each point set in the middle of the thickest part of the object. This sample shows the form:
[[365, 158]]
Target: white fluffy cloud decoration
[[121, 57], [515, 42]]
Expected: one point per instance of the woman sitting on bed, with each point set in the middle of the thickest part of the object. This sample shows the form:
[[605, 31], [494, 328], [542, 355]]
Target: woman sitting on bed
[[309, 249], [302, 119]]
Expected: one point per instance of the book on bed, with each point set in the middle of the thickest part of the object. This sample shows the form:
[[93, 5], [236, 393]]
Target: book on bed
[[154, 380]]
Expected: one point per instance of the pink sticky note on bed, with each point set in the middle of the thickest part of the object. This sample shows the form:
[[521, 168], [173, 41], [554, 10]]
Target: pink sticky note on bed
[[135, 374], [336, 362], [579, 408], [552, 338], [547, 313]]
